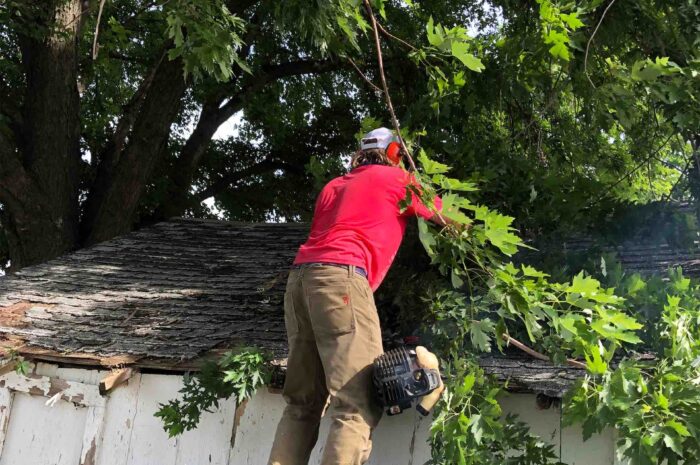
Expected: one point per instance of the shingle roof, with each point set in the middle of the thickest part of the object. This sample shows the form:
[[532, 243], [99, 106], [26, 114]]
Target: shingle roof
[[646, 257], [172, 292]]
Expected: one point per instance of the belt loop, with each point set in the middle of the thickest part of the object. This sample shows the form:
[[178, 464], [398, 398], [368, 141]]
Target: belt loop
[[351, 271]]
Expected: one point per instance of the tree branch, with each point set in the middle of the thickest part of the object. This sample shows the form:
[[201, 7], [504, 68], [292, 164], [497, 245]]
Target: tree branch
[[588, 45], [380, 62], [392, 36], [364, 76], [632, 171], [117, 190], [129, 115], [533, 353], [227, 181], [95, 45], [214, 114]]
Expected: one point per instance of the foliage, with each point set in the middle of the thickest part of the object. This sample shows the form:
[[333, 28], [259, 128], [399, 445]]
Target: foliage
[[206, 36], [468, 426], [651, 403], [556, 143], [558, 111], [21, 364], [237, 373]]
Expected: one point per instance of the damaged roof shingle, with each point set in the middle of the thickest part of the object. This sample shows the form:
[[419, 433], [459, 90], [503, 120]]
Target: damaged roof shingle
[[171, 291]]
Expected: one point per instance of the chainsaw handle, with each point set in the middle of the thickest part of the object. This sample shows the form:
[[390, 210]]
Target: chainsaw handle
[[427, 360]]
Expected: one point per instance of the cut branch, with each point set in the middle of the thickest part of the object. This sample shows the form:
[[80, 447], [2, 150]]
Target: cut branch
[[538, 355], [363, 76], [588, 45], [387, 97], [95, 45]]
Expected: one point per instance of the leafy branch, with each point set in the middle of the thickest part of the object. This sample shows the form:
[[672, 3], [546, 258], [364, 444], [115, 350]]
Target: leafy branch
[[238, 373]]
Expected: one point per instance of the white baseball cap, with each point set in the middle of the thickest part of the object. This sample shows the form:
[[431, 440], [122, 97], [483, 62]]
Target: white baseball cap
[[379, 138]]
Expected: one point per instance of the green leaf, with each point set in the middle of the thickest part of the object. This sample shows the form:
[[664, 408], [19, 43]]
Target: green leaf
[[430, 166], [584, 285], [614, 333], [455, 279], [674, 443], [572, 20], [453, 184], [434, 38], [560, 50], [451, 208], [595, 363], [569, 322], [678, 427], [476, 428], [662, 400], [460, 50], [497, 230], [426, 236], [479, 332], [533, 272]]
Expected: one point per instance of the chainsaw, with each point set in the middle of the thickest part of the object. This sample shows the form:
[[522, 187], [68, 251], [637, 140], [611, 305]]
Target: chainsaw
[[403, 375]]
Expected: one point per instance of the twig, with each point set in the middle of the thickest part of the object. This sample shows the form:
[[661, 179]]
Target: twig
[[588, 45], [533, 353], [364, 76], [392, 36], [83, 11], [380, 62], [97, 30]]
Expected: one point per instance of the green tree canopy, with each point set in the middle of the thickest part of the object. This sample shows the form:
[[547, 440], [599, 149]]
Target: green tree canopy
[[559, 110]]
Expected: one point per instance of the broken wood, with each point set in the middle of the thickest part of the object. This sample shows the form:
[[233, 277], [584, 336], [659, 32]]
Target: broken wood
[[82, 394], [7, 366], [115, 379]]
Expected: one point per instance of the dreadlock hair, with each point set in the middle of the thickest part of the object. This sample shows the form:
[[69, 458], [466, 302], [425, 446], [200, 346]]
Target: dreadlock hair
[[370, 157]]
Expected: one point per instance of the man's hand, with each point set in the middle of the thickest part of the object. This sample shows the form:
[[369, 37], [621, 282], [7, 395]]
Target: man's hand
[[445, 222]]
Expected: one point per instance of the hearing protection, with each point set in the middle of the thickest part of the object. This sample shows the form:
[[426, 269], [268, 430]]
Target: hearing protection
[[393, 152]]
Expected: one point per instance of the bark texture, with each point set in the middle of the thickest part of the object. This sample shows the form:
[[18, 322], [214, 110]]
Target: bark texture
[[39, 164], [119, 187]]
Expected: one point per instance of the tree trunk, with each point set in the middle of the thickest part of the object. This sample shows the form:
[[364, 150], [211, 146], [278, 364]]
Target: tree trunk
[[115, 197], [40, 173]]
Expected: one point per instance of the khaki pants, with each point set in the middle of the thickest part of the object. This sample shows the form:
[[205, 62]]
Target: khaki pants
[[334, 336]]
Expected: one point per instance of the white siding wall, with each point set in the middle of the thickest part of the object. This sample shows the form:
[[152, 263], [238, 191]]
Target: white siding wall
[[129, 434]]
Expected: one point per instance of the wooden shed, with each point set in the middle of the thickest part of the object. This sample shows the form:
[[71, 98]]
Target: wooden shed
[[111, 329]]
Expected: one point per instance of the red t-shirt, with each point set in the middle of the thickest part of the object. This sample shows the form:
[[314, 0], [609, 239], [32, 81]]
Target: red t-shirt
[[357, 220]]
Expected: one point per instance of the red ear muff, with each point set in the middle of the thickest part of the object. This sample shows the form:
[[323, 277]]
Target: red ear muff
[[393, 153]]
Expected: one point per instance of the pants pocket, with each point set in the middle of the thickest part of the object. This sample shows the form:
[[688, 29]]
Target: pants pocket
[[331, 309]]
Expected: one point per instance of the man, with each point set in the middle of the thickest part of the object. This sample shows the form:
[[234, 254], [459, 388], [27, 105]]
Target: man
[[330, 316]]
